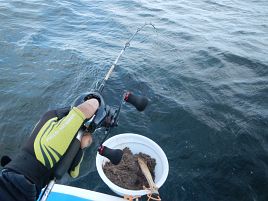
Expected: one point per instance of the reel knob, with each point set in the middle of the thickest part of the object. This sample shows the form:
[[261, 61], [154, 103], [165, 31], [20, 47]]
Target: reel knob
[[114, 155], [139, 102]]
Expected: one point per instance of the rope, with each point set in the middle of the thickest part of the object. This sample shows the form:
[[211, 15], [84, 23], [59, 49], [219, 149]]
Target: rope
[[150, 195], [131, 198], [152, 198]]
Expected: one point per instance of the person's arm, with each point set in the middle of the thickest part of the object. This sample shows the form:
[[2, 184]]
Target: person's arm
[[55, 136]]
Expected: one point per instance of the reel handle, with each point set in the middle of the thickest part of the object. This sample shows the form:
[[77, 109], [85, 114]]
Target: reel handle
[[114, 155], [139, 102]]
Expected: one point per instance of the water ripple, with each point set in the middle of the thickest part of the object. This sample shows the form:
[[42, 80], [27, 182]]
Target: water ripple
[[204, 69]]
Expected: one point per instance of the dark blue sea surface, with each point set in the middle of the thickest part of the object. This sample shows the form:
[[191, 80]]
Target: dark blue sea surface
[[204, 69]]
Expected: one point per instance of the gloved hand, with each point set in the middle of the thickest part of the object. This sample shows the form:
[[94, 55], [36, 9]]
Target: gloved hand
[[49, 142]]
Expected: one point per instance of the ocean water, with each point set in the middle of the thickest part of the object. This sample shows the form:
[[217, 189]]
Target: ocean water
[[204, 69]]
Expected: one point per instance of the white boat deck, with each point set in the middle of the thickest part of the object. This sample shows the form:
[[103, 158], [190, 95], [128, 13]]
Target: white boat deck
[[69, 193]]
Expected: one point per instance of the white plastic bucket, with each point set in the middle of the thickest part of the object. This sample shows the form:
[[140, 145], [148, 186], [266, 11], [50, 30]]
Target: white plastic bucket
[[136, 143]]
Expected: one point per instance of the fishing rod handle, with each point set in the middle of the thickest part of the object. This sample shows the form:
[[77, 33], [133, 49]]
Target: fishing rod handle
[[65, 163], [47, 190], [139, 102]]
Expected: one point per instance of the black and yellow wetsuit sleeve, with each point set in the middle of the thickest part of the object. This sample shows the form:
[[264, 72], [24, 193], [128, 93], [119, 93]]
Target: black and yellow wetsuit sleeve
[[47, 144], [55, 136]]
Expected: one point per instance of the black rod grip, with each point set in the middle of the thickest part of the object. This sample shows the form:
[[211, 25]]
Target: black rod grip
[[140, 102], [114, 155], [65, 162]]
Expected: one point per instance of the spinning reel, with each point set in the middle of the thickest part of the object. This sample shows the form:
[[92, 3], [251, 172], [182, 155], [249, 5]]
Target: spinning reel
[[107, 117]]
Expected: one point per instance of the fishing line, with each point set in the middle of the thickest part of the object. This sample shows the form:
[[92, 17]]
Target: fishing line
[[127, 44]]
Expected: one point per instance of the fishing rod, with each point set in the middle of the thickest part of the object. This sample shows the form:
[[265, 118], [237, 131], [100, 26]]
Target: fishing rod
[[111, 120], [127, 44]]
